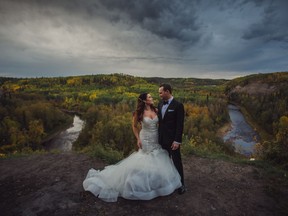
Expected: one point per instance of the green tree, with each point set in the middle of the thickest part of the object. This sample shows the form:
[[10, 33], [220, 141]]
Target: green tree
[[35, 134], [282, 134]]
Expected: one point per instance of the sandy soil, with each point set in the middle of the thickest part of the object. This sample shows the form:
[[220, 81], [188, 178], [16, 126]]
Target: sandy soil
[[51, 184]]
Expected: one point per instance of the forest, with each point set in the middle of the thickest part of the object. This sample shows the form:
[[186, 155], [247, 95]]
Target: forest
[[265, 99], [33, 109]]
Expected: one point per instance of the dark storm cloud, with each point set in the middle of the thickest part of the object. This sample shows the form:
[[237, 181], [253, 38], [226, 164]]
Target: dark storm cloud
[[168, 19], [143, 37], [273, 25]]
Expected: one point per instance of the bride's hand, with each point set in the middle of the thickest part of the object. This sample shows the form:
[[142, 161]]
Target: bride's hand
[[139, 144]]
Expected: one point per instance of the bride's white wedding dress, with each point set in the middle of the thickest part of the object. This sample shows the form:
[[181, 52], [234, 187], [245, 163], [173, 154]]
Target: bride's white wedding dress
[[144, 175]]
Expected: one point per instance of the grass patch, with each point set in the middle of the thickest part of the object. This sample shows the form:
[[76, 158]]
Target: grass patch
[[107, 154], [24, 153]]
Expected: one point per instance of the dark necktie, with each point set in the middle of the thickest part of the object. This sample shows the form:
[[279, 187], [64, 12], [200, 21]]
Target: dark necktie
[[165, 102]]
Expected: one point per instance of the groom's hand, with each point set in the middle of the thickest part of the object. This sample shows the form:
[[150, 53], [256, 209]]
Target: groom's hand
[[175, 145], [139, 144]]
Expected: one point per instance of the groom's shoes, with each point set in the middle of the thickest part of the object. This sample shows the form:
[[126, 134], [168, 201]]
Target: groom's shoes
[[182, 190]]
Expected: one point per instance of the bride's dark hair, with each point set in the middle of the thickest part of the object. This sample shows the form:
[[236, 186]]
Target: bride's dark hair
[[141, 106]]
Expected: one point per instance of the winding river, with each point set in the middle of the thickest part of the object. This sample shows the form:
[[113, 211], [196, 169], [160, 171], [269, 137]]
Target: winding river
[[64, 140], [241, 134]]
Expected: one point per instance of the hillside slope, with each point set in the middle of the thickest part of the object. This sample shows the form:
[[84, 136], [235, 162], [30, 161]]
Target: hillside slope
[[259, 84], [264, 98], [51, 184]]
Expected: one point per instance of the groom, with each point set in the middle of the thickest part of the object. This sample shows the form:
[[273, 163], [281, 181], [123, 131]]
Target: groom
[[171, 121]]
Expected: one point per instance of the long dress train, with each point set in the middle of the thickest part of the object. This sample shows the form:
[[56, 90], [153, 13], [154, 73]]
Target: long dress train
[[144, 175]]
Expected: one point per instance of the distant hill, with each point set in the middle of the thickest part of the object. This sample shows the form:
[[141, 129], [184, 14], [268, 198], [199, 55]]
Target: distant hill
[[258, 84], [121, 79], [186, 82]]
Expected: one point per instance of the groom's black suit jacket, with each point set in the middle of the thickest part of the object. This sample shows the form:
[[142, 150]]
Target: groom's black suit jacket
[[170, 130], [171, 126]]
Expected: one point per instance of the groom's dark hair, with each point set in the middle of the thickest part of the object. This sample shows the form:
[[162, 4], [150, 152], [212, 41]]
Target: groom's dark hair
[[166, 87]]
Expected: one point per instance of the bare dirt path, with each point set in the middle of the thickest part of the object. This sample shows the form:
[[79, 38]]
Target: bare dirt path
[[51, 185]]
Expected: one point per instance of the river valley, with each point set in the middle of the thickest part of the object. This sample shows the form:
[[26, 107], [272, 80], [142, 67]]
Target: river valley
[[64, 140], [241, 135]]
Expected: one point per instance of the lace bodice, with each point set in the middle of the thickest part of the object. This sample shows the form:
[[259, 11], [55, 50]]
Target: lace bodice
[[149, 134]]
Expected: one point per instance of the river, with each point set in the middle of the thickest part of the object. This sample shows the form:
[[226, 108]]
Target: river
[[241, 134], [64, 140]]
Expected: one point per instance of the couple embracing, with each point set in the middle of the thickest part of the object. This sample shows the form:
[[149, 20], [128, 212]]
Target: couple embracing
[[156, 168]]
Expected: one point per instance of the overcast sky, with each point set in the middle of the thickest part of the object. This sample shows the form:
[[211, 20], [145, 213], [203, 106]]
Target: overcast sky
[[176, 38]]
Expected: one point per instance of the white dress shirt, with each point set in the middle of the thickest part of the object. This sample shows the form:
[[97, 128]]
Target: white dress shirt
[[164, 107]]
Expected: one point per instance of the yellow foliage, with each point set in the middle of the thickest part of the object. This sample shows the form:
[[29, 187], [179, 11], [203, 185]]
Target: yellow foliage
[[93, 96], [74, 81], [193, 109], [11, 87], [130, 94]]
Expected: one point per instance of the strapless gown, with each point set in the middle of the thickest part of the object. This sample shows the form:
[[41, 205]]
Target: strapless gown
[[144, 175]]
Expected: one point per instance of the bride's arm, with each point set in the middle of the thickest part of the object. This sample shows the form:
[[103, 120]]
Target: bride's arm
[[136, 131]]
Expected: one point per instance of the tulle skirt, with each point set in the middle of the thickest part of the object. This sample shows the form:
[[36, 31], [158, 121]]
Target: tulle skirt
[[141, 176]]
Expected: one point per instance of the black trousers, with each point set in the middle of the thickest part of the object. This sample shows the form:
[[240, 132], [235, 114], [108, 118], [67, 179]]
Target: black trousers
[[176, 158]]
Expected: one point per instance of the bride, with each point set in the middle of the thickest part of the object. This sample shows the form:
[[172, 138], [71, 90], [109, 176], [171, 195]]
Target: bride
[[145, 174]]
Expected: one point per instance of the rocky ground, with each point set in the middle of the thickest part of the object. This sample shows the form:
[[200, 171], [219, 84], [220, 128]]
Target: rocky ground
[[51, 185]]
